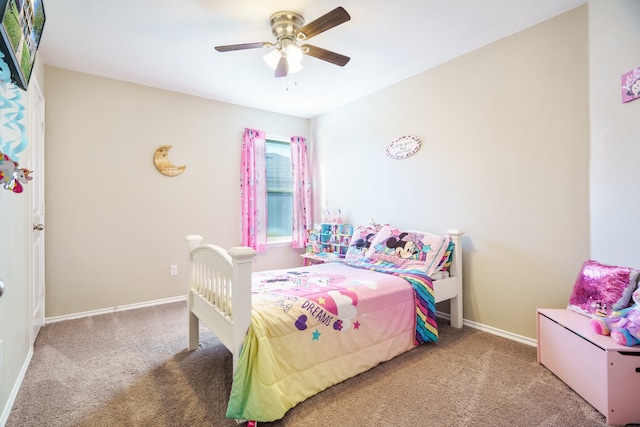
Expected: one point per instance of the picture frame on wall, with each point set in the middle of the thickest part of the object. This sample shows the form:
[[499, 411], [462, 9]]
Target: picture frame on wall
[[21, 26], [631, 85]]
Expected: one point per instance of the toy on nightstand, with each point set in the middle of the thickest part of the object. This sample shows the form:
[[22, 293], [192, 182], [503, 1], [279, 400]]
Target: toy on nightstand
[[623, 325]]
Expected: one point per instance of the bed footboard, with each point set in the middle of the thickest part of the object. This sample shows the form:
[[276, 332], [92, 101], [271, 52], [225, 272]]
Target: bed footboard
[[219, 293]]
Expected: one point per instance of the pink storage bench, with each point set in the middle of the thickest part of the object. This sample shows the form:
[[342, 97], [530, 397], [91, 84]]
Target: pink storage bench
[[605, 374]]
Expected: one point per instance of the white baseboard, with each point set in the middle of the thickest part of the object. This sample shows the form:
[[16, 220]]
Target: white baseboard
[[465, 322], [495, 331], [4, 417], [113, 309]]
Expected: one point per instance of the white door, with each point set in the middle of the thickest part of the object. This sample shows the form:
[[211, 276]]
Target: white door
[[37, 206]]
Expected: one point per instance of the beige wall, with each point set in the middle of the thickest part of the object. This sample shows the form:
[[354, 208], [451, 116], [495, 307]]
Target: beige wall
[[615, 132], [114, 223], [505, 133]]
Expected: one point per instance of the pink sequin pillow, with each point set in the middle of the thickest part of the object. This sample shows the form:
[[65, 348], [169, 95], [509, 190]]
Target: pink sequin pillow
[[600, 285]]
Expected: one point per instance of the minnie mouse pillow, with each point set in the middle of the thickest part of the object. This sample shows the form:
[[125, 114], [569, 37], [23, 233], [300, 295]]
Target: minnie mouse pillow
[[410, 249]]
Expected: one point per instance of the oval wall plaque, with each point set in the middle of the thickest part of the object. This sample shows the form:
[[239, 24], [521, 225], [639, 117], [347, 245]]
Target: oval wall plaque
[[403, 147]]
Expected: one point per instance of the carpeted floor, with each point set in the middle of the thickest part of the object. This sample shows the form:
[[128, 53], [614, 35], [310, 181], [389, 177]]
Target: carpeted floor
[[132, 368]]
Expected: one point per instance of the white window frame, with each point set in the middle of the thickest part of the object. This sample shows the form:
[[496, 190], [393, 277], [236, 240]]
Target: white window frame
[[282, 240]]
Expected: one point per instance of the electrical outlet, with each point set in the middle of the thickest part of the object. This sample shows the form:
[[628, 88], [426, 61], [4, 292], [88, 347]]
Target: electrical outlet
[[174, 270]]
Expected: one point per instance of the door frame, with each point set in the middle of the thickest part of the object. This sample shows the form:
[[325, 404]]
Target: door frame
[[37, 163]]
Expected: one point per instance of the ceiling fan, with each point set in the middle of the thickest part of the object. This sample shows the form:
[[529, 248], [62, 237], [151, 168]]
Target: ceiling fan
[[288, 28]]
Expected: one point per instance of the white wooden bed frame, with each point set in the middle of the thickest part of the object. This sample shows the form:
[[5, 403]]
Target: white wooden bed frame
[[217, 274]]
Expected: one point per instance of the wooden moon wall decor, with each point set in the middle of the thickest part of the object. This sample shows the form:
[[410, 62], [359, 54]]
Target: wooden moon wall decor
[[164, 166]]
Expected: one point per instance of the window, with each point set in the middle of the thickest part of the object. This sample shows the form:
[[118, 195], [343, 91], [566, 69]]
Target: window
[[279, 190]]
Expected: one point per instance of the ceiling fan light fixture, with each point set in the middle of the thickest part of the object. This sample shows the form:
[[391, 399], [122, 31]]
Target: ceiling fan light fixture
[[294, 67], [272, 58], [294, 58], [294, 54]]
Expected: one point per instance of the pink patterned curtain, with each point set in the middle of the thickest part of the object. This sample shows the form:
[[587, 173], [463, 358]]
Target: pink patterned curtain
[[253, 190], [301, 191]]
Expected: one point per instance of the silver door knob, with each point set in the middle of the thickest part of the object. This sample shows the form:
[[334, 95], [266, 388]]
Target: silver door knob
[[1, 287], [38, 227]]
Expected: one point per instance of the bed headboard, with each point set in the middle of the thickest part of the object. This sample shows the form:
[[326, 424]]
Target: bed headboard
[[456, 237], [456, 267]]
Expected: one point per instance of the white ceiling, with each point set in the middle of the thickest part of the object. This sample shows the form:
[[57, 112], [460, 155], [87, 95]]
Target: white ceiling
[[169, 44]]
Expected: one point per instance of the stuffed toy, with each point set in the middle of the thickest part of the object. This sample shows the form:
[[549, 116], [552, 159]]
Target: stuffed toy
[[623, 325]]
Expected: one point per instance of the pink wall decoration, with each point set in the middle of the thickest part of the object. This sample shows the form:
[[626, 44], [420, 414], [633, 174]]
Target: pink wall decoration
[[631, 85]]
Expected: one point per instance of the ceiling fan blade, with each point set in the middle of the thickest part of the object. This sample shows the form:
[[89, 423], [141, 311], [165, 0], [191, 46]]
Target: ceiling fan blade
[[325, 55], [232, 47], [327, 21], [282, 68]]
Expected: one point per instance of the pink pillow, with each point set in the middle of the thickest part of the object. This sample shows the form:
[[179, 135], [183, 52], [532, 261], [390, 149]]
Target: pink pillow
[[602, 285]]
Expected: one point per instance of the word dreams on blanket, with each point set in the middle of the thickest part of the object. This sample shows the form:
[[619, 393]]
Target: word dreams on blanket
[[317, 298], [318, 313]]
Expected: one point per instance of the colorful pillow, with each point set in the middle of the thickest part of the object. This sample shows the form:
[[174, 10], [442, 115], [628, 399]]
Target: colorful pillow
[[601, 285], [360, 243], [410, 249]]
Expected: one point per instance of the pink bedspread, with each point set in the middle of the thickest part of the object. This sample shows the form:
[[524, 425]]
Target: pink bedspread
[[313, 327]]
